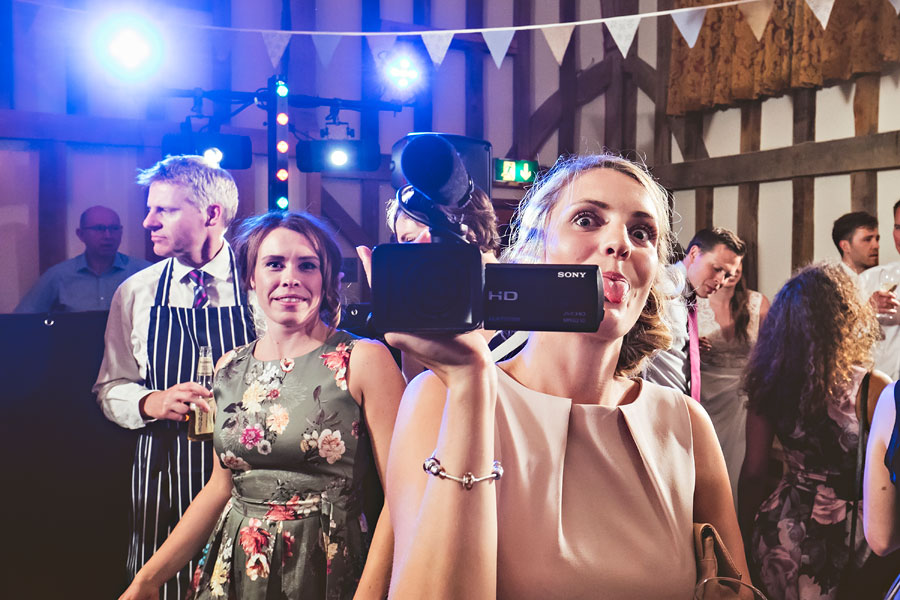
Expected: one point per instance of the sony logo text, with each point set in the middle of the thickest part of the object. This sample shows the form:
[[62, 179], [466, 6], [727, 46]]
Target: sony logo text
[[561, 274]]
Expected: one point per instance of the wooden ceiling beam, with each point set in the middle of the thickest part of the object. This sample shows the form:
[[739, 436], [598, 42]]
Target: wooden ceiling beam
[[876, 152]]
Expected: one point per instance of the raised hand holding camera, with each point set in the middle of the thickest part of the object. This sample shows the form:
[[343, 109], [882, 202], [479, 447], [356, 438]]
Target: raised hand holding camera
[[442, 286]]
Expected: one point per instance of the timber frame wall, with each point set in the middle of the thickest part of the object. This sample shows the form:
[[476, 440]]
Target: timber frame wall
[[616, 78]]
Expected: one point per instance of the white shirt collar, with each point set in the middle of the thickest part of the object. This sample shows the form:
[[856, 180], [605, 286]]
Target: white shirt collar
[[219, 267]]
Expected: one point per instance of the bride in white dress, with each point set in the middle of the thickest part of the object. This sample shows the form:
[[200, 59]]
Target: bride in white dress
[[728, 324]]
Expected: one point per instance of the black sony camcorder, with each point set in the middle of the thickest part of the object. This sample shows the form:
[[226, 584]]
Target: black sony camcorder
[[443, 287]]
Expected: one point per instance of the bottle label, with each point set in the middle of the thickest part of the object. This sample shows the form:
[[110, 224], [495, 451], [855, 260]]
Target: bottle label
[[205, 366]]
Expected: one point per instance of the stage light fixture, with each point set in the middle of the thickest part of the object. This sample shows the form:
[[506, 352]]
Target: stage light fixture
[[229, 151], [129, 46], [403, 72], [282, 146], [339, 158], [314, 156], [213, 156], [282, 174], [281, 89], [282, 203], [282, 119]]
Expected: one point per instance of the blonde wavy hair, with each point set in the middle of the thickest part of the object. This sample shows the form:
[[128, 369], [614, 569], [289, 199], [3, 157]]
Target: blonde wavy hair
[[528, 238], [817, 330]]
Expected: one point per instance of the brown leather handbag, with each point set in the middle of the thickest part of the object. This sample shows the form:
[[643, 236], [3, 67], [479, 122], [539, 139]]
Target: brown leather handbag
[[713, 560]]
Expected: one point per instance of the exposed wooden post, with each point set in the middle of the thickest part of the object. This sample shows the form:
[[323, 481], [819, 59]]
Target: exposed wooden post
[[662, 134], [52, 203], [748, 194], [568, 85], [864, 185], [475, 75], [694, 148], [221, 60], [302, 80], [612, 100], [7, 62], [523, 86], [804, 190], [423, 112]]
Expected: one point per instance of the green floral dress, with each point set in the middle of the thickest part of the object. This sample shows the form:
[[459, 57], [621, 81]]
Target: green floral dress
[[298, 449]]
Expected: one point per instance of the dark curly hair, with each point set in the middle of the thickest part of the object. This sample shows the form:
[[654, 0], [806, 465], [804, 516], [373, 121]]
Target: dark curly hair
[[816, 331], [253, 230]]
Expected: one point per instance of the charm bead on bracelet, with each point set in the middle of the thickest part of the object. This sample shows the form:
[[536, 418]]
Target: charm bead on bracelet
[[433, 466]]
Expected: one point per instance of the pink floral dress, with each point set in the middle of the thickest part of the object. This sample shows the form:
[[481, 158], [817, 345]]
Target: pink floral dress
[[801, 536], [298, 449]]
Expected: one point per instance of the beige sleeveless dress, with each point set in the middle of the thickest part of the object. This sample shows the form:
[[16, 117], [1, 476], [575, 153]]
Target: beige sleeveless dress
[[595, 502]]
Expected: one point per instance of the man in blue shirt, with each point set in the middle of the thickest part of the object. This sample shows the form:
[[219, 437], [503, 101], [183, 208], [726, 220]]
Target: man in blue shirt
[[86, 282]]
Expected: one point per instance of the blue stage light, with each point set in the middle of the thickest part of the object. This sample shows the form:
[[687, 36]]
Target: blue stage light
[[213, 156], [282, 203], [129, 46], [281, 89], [404, 73], [338, 157]]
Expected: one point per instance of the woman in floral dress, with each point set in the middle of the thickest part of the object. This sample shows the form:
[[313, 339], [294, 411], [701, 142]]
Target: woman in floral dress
[[802, 383], [302, 414]]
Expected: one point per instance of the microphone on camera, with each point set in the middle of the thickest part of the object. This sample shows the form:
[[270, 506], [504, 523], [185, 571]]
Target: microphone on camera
[[433, 167]]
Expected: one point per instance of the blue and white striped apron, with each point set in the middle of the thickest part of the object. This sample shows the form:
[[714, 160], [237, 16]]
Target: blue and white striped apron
[[169, 469]]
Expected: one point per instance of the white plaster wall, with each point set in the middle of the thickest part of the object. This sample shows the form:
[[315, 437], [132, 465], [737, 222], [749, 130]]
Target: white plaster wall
[[832, 199], [683, 215], [888, 195], [725, 207], [38, 61], [889, 100], [105, 175], [722, 132], [774, 235], [590, 37], [449, 95], [18, 221], [834, 112], [591, 126], [776, 128]]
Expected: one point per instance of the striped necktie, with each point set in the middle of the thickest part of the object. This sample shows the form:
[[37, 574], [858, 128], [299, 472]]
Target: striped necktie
[[200, 297]]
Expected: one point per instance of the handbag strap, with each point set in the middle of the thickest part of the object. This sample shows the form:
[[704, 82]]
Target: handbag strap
[[860, 461]]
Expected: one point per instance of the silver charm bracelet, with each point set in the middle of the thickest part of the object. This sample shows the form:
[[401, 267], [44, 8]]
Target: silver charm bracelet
[[433, 466]]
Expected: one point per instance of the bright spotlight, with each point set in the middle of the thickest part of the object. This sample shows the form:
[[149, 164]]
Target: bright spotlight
[[282, 146], [213, 156], [403, 73], [282, 174], [282, 119], [281, 89], [129, 46], [282, 203], [338, 158]]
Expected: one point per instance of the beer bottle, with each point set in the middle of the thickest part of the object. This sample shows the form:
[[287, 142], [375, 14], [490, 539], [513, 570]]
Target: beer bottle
[[201, 423]]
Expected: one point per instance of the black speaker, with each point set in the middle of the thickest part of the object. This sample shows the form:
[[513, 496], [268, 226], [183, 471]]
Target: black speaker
[[476, 155]]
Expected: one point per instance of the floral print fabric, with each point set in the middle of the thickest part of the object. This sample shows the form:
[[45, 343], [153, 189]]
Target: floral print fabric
[[298, 449], [801, 537]]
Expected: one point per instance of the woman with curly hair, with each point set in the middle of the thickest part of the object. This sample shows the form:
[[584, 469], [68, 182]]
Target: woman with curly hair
[[802, 382], [560, 473]]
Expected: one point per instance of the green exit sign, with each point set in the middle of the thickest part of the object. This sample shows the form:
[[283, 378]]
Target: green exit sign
[[508, 170]]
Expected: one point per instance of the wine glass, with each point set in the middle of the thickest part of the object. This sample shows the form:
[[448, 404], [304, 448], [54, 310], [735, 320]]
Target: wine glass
[[716, 588], [888, 278]]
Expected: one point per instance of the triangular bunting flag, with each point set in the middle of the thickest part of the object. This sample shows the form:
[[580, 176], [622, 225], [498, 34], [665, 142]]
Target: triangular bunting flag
[[896, 5], [276, 42], [379, 44], [822, 10], [757, 15], [689, 23], [497, 41], [437, 44], [558, 39], [325, 45], [622, 30]]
